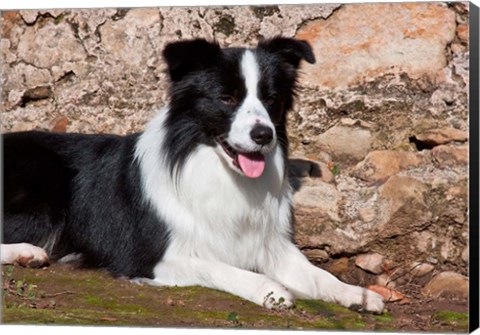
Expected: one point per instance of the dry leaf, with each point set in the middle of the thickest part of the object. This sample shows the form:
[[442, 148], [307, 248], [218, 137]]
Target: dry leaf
[[388, 294]]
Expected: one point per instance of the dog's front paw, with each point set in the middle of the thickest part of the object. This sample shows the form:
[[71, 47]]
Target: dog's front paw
[[277, 297], [360, 299], [371, 302], [24, 254]]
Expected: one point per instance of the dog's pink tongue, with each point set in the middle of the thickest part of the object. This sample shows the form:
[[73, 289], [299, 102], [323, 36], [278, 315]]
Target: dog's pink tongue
[[252, 164]]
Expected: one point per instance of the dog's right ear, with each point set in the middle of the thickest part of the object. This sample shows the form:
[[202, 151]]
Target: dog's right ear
[[185, 57]]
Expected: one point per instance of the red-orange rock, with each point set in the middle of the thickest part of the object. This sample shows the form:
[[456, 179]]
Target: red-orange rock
[[363, 40]]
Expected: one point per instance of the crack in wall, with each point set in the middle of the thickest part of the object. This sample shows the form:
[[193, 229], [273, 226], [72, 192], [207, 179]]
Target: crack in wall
[[304, 23]]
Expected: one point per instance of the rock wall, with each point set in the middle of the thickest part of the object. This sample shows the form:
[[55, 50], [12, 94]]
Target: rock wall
[[379, 132]]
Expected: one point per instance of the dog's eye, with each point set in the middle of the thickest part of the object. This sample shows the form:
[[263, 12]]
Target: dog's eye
[[229, 100], [270, 100]]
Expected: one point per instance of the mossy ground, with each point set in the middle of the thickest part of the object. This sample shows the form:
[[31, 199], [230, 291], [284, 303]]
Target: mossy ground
[[62, 295]]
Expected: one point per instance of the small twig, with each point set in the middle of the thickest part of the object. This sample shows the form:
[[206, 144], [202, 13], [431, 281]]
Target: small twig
[[57, 294]]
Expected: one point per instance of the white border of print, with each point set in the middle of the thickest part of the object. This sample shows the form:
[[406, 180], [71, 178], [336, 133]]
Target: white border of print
[[80, 330]]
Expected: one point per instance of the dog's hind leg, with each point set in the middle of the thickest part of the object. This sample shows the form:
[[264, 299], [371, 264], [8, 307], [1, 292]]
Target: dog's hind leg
[[23, 254], [189, 271]]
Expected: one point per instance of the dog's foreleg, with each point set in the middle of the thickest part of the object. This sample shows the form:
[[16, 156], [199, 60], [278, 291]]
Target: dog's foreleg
[[189, 271], [294, 271]]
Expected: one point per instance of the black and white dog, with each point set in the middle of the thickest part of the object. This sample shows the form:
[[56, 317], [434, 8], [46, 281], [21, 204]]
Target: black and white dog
[[201, 197]]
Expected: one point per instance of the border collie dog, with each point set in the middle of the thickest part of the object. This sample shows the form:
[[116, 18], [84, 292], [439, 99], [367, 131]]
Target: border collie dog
[[201, 197]]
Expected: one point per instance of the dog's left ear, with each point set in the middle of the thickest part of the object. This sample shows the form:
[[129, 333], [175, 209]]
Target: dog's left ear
[[291, 50], [185, 57]]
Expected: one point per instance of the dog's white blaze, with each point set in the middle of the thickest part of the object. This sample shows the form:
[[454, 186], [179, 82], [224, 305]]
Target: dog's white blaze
[[251, 110], [250, 72]]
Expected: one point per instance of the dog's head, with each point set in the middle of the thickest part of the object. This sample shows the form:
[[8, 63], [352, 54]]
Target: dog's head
[[233, 99]]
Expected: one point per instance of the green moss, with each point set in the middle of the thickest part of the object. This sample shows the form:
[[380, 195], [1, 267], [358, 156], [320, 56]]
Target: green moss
[[452, 318], [332, 316], [38, 316], [384, 318], [90, 299], [384, 322], [321, 307], [85, 297]]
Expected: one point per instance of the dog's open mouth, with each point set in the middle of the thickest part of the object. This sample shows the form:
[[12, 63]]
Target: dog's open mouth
[[251, 164]]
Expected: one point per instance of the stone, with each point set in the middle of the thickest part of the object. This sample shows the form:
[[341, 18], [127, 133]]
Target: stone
[[29, 16], [15, 97], [322, 197], [8, 56], [285, 18], [323, 157], [465, 254], [447, 284], [421, 269], [385, 280], [367, 214], [434, 137], [345, 144], [379, 165], [316, 255], [456, 192], [458, 48], [346, 121], [339, 266], [122, 39], [326, 174], [402, 207], [38, 93], [447, 250], [370, 262], [57, 42], [450, 155], [316, 228], [364, 40], [462, 33], [460, 63], [60, 124]]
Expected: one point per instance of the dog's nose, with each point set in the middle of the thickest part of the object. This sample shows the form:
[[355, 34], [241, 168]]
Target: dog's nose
[[261, 134]]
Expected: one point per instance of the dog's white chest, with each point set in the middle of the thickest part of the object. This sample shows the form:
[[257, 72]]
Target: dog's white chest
[[223, 216]]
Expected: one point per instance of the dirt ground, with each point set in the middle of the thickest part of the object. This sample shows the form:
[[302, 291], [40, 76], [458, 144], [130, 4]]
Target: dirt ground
[[62, 295]]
